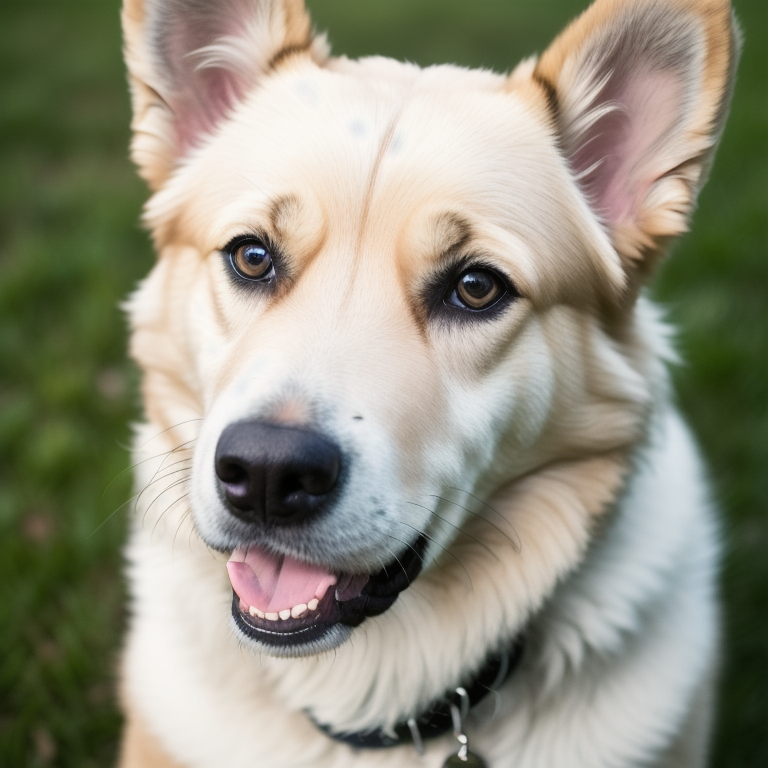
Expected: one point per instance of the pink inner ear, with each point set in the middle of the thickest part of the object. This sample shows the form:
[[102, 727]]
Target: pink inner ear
[[198, 112], [208, 55], [624, 149]]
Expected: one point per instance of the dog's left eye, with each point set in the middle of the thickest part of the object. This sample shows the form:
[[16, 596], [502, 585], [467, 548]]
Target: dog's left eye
[[252, 260], [477, 289]]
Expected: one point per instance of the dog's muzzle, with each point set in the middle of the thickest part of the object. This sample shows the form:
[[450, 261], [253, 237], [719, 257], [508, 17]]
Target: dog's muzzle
[[280, 476]]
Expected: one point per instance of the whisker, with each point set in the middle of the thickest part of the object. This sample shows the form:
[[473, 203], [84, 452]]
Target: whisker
[[169, 487], [166, 475], [189, 460], [410, 546], [136, 496], [144, 461], [168, 429], [154, 479], [411, 588], [111, 515], [171, 472], [192, 530], [515, 544], [167, 508], [162, 466], [157, 498], [447, 551], [183, 519], [405, 573], [461, 531], [245, 178]]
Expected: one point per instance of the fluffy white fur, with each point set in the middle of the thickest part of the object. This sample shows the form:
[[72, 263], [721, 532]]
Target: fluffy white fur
[[615, 663], [563, 497]]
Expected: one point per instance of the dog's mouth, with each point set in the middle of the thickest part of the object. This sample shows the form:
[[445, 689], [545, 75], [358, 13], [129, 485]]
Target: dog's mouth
[[283, 602]]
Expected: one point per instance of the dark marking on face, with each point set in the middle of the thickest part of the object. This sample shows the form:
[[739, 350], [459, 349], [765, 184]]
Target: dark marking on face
[[289, 50], [453, 232], [550, 93], [283, 212]]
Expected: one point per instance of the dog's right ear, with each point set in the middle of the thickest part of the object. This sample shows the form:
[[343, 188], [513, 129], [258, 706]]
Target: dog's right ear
[[639, 91], [191, 61]]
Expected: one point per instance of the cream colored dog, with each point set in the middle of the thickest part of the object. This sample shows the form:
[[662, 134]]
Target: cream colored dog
[[408, 430]]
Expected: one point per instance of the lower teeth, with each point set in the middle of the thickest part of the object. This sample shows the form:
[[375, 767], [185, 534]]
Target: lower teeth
[[297, 612]]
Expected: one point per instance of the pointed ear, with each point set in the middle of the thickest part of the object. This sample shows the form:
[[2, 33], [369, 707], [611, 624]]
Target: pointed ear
[[640, 89], [191, 61]]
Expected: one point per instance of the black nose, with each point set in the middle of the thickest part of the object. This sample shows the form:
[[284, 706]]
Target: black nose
[[275, 474]]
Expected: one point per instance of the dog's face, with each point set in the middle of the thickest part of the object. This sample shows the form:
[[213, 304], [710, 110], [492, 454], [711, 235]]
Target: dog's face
[[386, 294]]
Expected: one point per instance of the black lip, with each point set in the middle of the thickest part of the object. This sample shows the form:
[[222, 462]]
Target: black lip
[[377, 596]]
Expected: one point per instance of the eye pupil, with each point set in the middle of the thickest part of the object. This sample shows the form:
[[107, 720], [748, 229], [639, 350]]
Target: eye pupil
[[478, 289], [252, 260], [255, 255], [477, 284]]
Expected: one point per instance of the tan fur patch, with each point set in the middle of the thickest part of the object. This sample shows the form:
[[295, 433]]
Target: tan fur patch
[[138, 747]]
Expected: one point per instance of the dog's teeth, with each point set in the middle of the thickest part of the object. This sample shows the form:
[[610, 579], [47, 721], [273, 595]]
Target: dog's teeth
[[286, 614], [255, 612], [271, 616], [313, 603], [323, 588], [298, 610]]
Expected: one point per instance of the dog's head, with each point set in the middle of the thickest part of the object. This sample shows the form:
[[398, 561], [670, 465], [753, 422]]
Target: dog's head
[[386, 297]]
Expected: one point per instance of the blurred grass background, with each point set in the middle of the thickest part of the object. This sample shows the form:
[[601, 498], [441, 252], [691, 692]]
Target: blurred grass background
[[70, 249]]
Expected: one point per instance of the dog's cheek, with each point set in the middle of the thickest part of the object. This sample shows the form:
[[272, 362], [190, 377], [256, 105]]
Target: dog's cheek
[[159, 344], [501, 383], [601, 396]]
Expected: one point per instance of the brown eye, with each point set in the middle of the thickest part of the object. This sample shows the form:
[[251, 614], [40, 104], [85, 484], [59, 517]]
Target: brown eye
[[478, 289], [252, 261]]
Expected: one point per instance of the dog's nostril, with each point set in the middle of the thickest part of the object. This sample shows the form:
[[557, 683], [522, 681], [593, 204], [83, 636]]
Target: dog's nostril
[[230, 472], [275, 473], [317, 482]]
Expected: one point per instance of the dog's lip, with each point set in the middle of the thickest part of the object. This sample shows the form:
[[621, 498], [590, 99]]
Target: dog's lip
[[377, 595]]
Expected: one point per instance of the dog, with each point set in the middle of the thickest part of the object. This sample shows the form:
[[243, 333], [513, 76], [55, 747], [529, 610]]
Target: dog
[[412, 487]]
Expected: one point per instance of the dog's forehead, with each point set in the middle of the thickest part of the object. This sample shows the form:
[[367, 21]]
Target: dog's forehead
[[372, 126]]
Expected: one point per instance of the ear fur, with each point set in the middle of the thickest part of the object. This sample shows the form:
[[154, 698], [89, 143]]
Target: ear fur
[[191, 61], [640, 89]]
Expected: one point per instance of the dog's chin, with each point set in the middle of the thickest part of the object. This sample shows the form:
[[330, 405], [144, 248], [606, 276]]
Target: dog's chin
[[336, 614]]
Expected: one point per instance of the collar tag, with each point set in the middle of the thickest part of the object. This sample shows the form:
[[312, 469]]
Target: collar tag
[[471, 760], [463, 758]]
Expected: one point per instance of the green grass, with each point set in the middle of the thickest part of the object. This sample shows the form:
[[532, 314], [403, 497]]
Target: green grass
[[70, 249]]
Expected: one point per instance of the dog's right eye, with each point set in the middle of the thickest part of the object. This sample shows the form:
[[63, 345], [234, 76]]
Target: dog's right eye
[[477, 289], [251, 260]]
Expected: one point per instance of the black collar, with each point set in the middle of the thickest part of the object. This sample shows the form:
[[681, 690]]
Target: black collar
[[437, 720]]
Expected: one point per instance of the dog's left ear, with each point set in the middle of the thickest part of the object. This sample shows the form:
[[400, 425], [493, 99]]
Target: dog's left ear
[[190, 62], [639, 90]]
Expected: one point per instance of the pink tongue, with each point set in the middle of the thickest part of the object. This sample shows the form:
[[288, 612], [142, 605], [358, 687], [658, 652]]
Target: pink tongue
[[273, 583]]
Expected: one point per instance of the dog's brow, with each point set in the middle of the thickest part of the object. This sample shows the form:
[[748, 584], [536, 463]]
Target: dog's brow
[[452, 231], [281, 211]]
